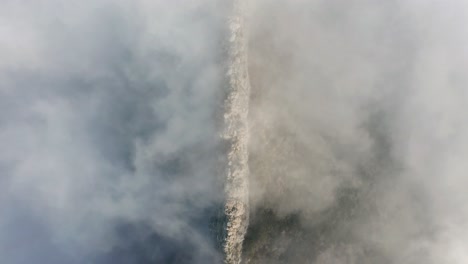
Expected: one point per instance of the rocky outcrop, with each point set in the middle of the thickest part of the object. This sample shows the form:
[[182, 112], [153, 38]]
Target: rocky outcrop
[[236, 135]]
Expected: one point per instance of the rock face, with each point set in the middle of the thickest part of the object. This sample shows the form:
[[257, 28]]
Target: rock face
[[236, 136]]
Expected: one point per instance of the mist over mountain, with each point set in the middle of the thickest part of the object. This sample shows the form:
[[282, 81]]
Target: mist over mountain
[[266, 131]]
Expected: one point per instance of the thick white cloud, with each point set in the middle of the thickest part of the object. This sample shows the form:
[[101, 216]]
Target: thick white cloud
[[358, 125]]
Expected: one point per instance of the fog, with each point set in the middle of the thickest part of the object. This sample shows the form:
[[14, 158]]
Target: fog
[[358, 132], [108, 131], [110, 128]]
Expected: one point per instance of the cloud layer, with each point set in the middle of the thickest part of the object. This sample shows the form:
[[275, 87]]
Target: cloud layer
[[110, 117], [109, 132], [358, 132]]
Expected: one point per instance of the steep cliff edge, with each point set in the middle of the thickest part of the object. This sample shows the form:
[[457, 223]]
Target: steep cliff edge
[[236, 136]]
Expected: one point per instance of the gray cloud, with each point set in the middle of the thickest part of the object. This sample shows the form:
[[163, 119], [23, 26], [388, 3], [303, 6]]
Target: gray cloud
[[110, 141], [108, 129]]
